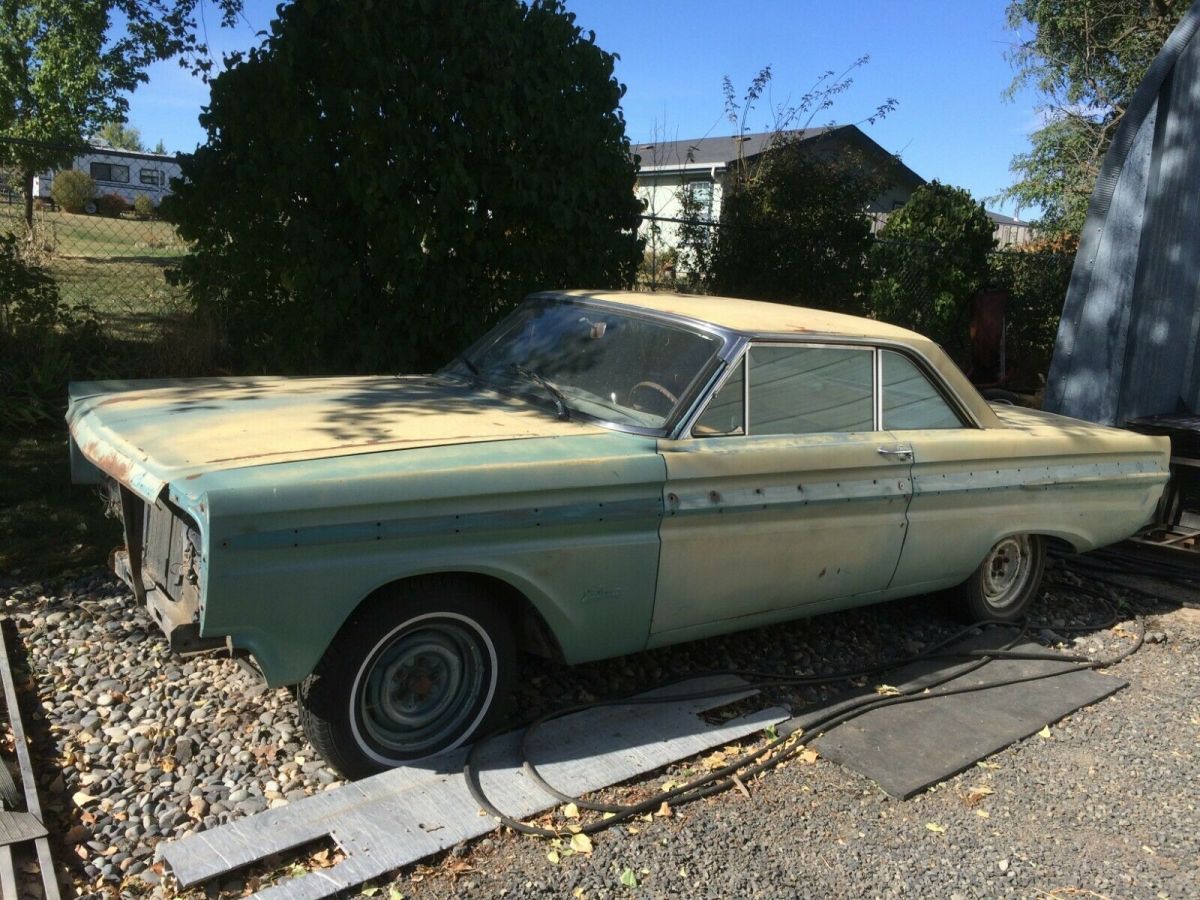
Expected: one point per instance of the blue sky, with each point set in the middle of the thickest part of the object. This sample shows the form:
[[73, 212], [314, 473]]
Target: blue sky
[[943, 60]]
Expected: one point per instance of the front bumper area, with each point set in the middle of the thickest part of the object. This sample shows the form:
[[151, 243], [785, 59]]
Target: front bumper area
[[178, 619]]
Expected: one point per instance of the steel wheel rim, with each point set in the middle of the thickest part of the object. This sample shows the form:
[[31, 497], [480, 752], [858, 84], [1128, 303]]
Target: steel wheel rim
[[423, 687], [1006, 572]]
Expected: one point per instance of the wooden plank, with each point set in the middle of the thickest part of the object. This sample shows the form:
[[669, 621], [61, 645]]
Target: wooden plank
[[16, 827], [32, 803], [400, 816], [8, 874]]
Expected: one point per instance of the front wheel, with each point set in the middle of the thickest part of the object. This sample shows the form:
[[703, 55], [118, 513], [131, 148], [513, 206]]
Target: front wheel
[[415, 671], [1007, 580]]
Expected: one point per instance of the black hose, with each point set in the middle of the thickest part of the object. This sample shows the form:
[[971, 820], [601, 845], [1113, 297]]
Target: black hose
[[752, 763]]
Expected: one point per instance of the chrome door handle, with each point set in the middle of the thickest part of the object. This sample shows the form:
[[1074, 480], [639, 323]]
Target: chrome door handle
[[901, 452]]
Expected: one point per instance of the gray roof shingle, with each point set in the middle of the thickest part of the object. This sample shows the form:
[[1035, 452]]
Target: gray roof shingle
[[714, 150]]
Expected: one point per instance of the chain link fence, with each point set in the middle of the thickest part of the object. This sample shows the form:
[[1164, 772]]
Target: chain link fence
[[84, 291], [110, 262]]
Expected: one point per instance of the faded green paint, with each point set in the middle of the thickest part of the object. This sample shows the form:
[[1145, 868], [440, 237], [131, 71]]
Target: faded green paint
[[570, 522], [310, 494], [756, 524]]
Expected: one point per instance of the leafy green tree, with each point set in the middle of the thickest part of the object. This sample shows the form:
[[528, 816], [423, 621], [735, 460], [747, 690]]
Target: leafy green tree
[[381, 180], [1086, 58], [930, 260], [120, 136], [795, 229], [160, 148], [66, 67], [793, 223]]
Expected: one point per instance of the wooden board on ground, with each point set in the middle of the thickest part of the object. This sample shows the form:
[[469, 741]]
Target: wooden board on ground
[[398, 817]]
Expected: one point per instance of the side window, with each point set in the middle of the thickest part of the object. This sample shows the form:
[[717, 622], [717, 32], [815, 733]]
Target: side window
[[726, 412], [909, 399], [807, 390], [109, 172]]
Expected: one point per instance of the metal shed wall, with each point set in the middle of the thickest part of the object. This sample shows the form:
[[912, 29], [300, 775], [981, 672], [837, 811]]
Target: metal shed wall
[[1130, 331]]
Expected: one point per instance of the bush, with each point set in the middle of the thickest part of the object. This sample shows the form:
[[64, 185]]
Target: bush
[[793, 229], [930, 260], [111, 205], [72, 189], [1036, 277], [41, 339], [413, 209], [144, 207]]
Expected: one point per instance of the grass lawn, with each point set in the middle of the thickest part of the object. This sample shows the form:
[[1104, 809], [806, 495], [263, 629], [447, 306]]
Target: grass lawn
[[48, 526], [113, 265]]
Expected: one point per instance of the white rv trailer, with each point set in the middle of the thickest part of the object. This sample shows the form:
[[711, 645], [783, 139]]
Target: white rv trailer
[[125, 173]]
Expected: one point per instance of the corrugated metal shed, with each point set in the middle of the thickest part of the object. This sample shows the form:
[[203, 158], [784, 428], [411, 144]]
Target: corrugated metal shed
[[1130, 331]]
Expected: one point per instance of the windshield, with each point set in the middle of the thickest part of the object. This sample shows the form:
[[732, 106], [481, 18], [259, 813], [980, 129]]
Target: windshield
[[605, 364]]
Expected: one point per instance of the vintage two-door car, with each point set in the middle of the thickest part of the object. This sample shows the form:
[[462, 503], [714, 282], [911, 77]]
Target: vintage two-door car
[[599, 474]]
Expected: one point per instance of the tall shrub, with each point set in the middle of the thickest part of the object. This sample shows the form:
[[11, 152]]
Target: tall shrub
[[72, 189], [41, 339], [930, 260], [381, 180]]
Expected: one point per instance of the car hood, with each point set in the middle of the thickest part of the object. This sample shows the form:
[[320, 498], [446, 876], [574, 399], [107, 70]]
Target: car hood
[[147, 433]]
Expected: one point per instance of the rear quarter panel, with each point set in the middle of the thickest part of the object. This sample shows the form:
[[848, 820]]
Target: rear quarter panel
[[1085, 484]]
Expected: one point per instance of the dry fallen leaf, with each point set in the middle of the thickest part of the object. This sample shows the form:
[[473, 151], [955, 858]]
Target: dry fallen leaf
[[935, 827], [553, 857], [664, 810], [1045, 732], [808, 756], [976, 795], [571, 811], [581, 843], [982, 813], [711, 762], [886, 690]]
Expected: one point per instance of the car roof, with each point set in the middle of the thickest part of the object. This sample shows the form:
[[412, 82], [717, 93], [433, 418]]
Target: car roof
[[749, 317]]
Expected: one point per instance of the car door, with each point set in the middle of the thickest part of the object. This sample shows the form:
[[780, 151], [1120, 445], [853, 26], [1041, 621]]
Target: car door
[[785, 493], [962, 490]]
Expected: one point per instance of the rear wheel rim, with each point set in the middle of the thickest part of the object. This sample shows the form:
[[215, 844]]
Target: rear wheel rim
[[424, 688], [1006, 573]]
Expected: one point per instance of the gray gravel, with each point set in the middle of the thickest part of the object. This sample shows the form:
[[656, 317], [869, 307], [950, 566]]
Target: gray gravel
[[137, 746]]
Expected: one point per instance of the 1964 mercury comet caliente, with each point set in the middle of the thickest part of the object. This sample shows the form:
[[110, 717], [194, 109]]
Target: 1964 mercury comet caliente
[[601, 473]]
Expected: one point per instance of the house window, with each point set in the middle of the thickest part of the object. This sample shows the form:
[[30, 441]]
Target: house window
[[110, 172], [150, 176], [700, 196]]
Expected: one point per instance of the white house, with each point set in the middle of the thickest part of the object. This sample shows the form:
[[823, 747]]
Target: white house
[[668, 169], [699, 166], [125, 173]]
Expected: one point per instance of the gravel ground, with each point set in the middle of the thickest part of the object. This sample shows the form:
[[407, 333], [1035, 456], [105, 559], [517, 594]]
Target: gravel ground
[[135, 746]]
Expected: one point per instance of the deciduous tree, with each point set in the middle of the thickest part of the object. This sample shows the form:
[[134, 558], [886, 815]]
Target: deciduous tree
[[66, 67], [1086, 59], [121, 136], [381, 180], [931, 258], [793, 225]]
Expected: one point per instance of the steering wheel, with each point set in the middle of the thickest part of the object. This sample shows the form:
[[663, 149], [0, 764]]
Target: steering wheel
[[652, 386]]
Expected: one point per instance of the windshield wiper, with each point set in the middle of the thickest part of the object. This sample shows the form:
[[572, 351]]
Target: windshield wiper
[[560, 400]]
